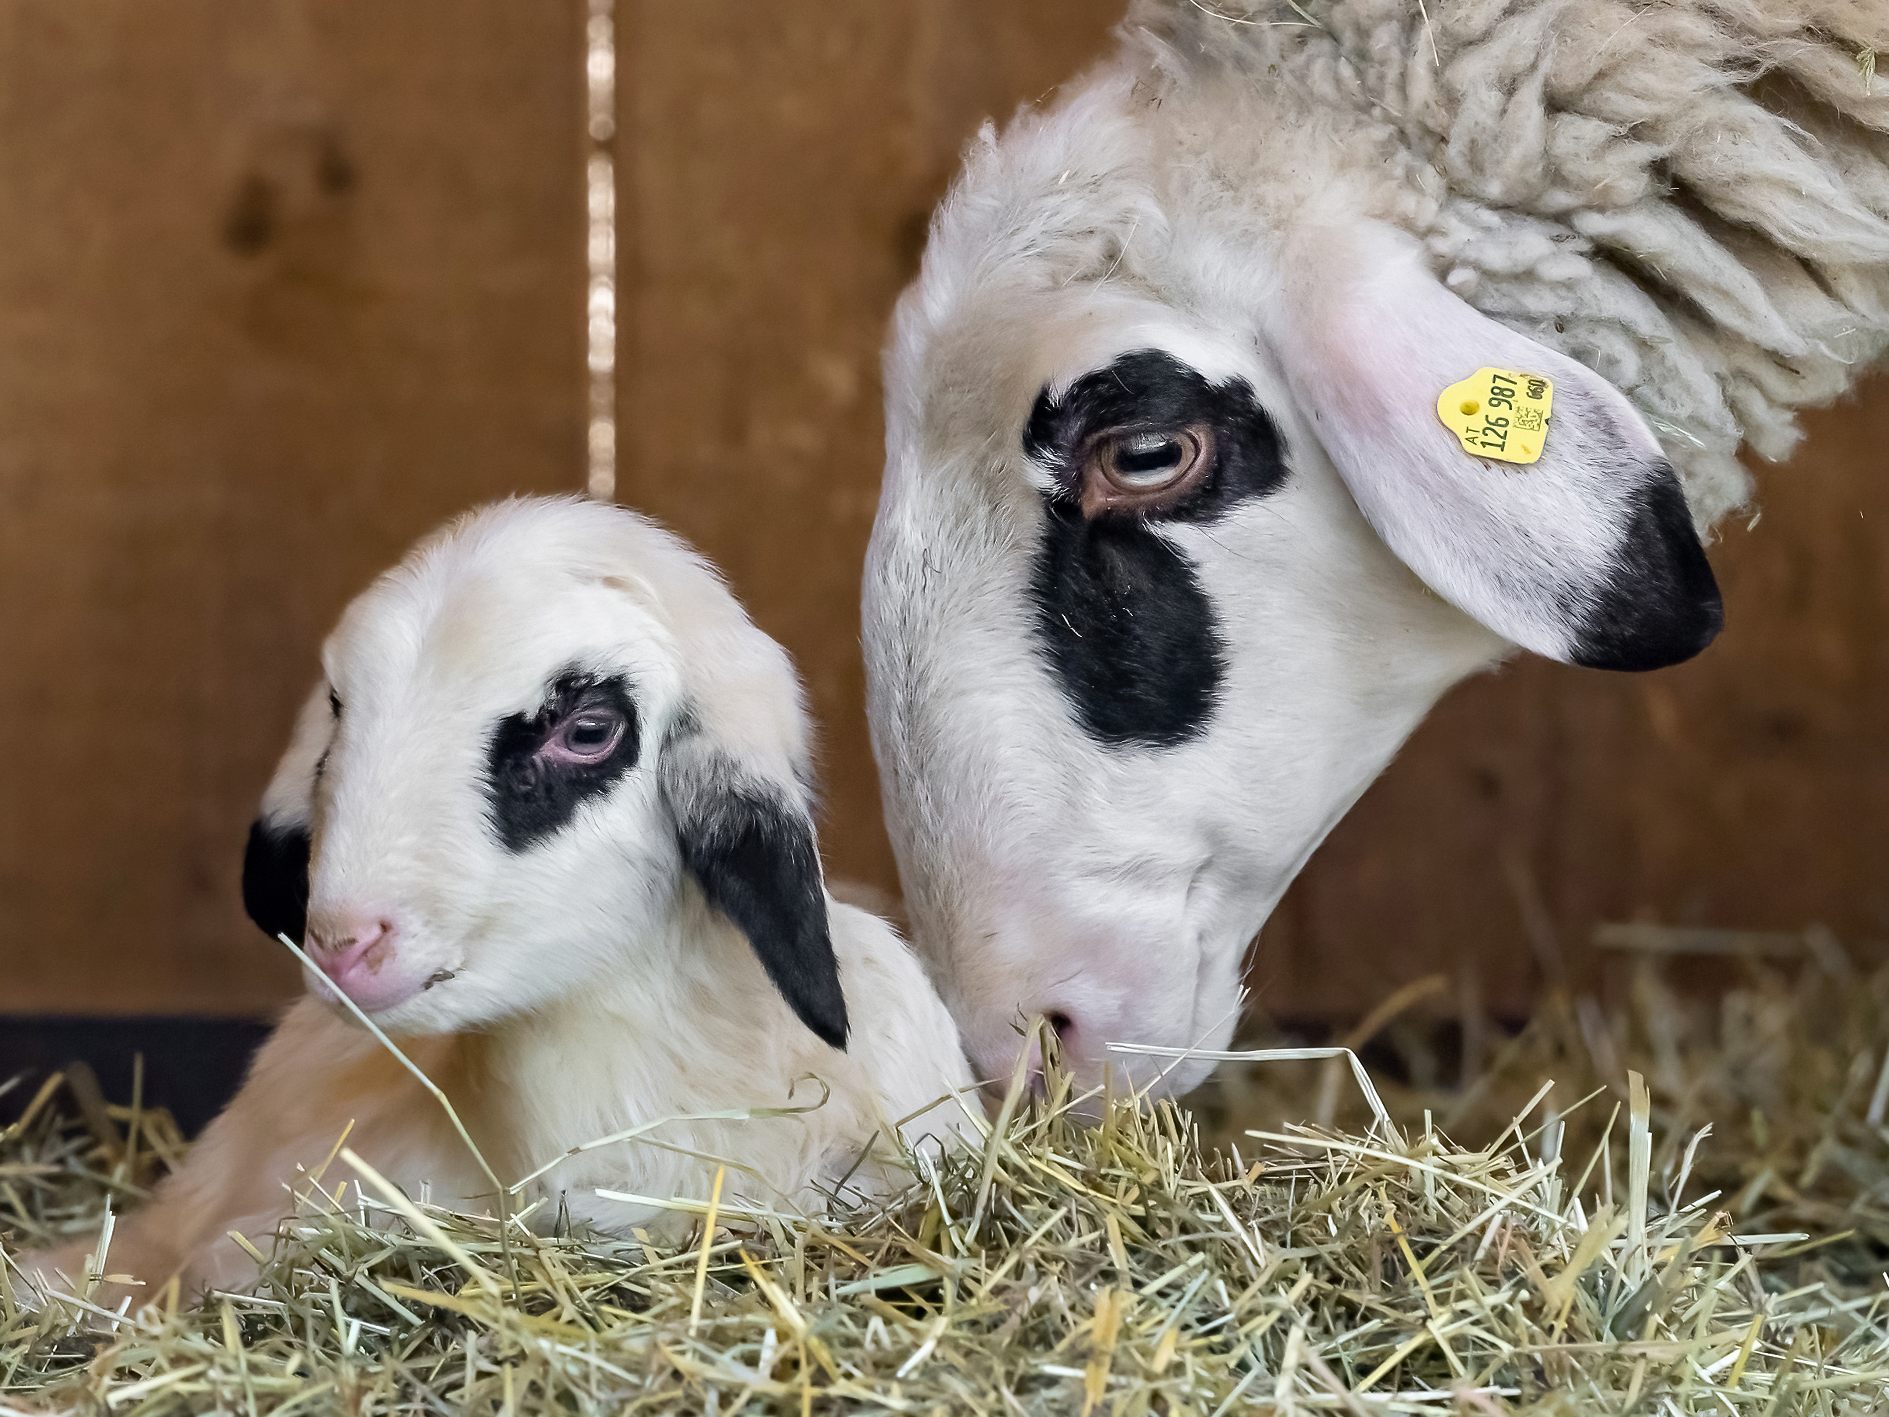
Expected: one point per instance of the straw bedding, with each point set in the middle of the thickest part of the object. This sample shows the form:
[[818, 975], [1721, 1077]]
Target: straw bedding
[[1608, 1256]]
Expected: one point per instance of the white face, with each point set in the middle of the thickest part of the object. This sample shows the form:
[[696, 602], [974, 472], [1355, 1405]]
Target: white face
[[481, 797], [1133, 643], [527, 736], [1111, 738], [482, 808]]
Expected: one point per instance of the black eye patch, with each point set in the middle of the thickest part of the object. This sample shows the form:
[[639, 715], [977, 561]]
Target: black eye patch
[[1118, 611], [530, 796]]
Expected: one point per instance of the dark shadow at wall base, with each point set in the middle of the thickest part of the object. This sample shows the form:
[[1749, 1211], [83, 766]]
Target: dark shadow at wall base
[[192, 1066]]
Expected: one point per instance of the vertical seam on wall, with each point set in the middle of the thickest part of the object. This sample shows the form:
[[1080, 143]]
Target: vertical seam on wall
[[600, 249]]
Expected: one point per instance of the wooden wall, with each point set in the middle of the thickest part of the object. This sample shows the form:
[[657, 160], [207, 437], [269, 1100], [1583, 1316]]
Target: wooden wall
[[282, 284]]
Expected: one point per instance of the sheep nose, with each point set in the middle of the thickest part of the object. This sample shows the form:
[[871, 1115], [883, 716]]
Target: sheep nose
[[997, 1055], [358, 954], [347, 949]]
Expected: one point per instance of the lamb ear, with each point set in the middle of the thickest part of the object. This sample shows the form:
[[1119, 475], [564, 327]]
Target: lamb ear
[[747, 839], [1587, 556], [275, 861]]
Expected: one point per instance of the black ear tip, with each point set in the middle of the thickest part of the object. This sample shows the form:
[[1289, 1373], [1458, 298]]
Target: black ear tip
[[828, 1023], [1656, 637], [1663, 605], [808, 977]]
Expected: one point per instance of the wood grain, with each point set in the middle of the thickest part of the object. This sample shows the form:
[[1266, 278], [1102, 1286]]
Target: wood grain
[[280, 286]]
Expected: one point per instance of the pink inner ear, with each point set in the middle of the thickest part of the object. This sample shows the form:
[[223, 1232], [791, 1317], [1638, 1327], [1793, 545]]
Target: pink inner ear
[[1372, 339]]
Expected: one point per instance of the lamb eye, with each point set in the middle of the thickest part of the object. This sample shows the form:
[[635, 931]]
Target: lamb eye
[[587, 736], [1145, 469]]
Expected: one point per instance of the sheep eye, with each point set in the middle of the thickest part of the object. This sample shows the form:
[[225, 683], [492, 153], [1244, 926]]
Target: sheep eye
[[587, 736], [1145, 470]]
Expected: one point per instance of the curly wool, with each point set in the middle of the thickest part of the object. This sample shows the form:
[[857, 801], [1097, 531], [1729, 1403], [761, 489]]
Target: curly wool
[[1689, 196]]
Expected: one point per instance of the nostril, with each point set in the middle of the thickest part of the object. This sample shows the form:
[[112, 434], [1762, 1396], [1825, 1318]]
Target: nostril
[[342, 943], [1059, 1021]]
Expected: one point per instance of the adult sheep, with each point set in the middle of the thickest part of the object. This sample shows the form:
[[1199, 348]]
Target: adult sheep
[[1174, 547]]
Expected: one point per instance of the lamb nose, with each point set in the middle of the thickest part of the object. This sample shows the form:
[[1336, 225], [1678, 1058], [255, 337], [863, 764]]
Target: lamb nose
[[338, 948]]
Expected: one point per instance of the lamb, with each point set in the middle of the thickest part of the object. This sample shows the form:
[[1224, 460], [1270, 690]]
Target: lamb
[[1175, 545], [547, 819]]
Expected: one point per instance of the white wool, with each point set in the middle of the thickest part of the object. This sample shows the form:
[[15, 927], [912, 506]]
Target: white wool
[[579, 987], [1691, 197]]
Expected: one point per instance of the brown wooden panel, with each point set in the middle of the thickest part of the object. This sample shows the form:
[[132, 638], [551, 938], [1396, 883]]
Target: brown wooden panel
[[1751, 788], [280, 286]]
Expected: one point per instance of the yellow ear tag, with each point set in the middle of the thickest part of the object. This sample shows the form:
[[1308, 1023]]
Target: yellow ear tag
[[1499, 413]]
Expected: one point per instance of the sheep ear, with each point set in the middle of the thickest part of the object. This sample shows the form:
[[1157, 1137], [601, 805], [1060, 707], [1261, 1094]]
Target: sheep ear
[[749, 843], [275, 861], [1587, 555]]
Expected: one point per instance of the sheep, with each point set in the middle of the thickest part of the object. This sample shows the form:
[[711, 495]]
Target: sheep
[[1175, 545], [547, 820]]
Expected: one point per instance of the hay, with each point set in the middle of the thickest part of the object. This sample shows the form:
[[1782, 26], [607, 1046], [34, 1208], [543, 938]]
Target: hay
[[1129, 1266]]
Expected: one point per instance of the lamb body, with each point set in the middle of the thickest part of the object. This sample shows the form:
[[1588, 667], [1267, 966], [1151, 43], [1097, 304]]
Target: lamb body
[[546, 819]]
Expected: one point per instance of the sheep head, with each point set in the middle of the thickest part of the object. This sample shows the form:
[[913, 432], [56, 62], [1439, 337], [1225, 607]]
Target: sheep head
[[543, 746], [1176, 542]]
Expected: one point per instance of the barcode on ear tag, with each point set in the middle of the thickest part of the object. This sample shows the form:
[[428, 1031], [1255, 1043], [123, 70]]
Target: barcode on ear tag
[[1499, 413]]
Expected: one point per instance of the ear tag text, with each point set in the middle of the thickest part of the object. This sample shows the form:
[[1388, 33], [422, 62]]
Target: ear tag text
[[1499, 413]]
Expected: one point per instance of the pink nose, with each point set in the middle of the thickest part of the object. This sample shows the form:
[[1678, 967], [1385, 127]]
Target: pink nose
[[357, 955]]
